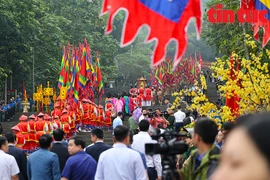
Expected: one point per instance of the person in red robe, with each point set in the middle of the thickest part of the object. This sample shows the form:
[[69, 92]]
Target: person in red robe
[[148, 96], [65, 121], [32, 133], [142, 95], [19, 137], [24, 130], [41, 126]]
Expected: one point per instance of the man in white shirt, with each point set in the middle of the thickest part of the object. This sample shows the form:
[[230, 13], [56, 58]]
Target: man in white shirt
[[120, 162], [179, 117], [153, 162], [118, 120], [8, 165], [143, 116]]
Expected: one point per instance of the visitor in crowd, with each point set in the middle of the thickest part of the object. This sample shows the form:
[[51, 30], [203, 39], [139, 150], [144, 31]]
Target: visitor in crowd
[[167, 103], [179, 117], [118, 120], [59, 148], [158, 119], [246, 153], [97, 137], [154, 167], [183, 158], [18, 154], [226, 128], [144, 115], [219, 139], [131, 134], [132, 124], [170, 119], [204, 160], [80, 165], [44, 164], [8, 165], [120, 162]]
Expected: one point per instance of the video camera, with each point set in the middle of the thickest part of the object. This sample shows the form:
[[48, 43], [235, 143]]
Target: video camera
[[154, 114], [172, 144]]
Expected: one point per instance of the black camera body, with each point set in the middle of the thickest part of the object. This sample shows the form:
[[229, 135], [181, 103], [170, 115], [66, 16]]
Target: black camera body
[[154, 114], [172, 144]]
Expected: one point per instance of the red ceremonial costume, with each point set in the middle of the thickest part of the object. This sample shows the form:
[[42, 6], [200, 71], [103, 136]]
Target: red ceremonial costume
[[65, 121], [101, 116], [148, 94], [41, 126], [24, 130], [56, 123], [19, 136], [32, 134], [86, 112]]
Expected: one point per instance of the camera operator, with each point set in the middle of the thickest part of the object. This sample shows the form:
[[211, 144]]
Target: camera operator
[[158, 119], [144, 115], [204, 160], [183, 159]]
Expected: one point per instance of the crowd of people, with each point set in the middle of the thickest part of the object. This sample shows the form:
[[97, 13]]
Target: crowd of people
[[127, 158], [7, 111], [85, 117]]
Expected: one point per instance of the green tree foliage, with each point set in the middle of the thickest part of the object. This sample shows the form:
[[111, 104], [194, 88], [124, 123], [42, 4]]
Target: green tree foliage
[[227, 37]]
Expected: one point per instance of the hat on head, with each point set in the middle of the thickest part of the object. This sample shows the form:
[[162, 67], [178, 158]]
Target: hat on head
[[40, 114], [100, 107], [23, 118], [85, 100], [64, 111], [57, 104], [46, 117], [16, 128], [55, 117], [183, 132], [32, 116]]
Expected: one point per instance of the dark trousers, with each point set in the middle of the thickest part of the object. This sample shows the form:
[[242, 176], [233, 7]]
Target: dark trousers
[[178, 126], [152, 173]]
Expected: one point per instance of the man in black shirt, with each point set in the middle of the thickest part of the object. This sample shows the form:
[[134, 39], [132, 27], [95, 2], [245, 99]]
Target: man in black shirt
[[60, 149], [18, 154], [98, 147]]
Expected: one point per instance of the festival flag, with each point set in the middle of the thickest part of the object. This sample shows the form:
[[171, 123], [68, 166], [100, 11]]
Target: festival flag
[[259, 5], [76, 72], [63, 73], [99, 79], [83, 69], [157, 76], [167, 20]]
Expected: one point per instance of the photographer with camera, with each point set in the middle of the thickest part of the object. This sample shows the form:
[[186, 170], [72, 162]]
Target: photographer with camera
[[183, 159], [158, 118], [203, 161], [154, 167]]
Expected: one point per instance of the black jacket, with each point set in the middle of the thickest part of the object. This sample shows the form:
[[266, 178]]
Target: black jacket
[[62, 153], [96, 149], [21, 160]]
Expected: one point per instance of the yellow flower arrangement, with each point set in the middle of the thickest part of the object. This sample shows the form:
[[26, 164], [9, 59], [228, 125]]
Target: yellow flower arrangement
[[251, 85]]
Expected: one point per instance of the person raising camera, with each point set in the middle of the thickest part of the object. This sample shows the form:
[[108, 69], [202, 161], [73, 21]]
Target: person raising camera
[[157, 119]]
